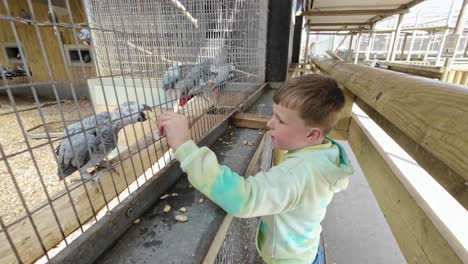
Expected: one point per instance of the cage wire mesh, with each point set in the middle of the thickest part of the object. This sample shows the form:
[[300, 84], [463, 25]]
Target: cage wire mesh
[[66, 63]]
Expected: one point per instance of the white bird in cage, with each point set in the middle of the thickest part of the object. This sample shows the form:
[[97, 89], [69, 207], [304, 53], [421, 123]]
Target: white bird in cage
[[101, 140]]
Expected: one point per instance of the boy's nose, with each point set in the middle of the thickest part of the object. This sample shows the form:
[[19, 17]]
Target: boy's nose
[[270, 124]]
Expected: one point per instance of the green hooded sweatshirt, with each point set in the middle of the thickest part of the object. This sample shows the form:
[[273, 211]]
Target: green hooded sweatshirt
[[291, 198]]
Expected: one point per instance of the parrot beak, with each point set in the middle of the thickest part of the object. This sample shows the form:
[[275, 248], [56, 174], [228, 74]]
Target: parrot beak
[[145, 107], [142, 116]]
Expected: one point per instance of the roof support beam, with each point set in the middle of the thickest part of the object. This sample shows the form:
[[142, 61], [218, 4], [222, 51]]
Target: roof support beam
[[337, 29], [396, 38], [401, 10], [352, 12], [338, 24]]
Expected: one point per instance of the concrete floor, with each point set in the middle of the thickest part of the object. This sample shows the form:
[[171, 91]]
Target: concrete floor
[[354, 229]]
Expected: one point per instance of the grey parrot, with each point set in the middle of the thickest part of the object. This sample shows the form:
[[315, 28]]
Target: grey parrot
[[101, 140], [85, 35], [222, 74], [25, 15], [171, 76], [212, 80], [193, 79]]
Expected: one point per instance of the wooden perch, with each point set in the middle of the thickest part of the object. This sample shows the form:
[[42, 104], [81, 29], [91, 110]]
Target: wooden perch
[[248, 120], [244, 72], [139, 48], [135, 161], [181, 7]]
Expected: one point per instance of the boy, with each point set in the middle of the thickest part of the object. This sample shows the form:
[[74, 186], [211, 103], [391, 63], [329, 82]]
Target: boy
[[292, 197]]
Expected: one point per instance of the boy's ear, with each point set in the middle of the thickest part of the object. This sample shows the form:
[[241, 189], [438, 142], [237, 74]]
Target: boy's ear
[[315, 134]]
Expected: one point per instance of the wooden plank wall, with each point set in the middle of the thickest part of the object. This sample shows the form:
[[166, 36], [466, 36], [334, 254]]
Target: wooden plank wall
[[419, 240], [28, 37]]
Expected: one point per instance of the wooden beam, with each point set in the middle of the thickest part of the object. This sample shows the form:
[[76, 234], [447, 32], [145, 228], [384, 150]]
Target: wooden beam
[[338, 24], [413, 69], [312, 30], [249, 120], [299, 70], [331, 34], [417, 236], [135, 161], [444, 175], [431, 113], [354, 12]]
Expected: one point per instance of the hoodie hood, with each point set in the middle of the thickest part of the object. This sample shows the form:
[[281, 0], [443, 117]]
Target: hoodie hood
[[337, 176], [333, 163]]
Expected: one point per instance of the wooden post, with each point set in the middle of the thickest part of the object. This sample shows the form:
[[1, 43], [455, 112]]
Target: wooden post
[[446, 31], [358, 45], [350, 51], [371, 42], [396, 37], [459, 31]]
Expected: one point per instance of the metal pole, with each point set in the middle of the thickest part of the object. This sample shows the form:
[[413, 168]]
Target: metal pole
[[429, 42], [413, 36], [403, 46], [396, 37], [421, 42], [358, 45], [438, 62], [371, 41], [466, 47], [388, 45], [350, 46], [458, 30], [306, 50]]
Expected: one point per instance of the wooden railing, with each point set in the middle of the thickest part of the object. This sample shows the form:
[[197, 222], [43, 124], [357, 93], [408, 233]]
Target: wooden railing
[[457, 75], [429, 120]]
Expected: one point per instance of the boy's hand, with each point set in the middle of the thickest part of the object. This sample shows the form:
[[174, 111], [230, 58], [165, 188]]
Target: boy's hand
[[175, 127]]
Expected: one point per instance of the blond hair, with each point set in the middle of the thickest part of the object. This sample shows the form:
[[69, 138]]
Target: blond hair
[[316, 97]]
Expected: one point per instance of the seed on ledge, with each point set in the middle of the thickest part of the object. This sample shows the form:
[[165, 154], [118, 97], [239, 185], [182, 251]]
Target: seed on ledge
[[181, 218]]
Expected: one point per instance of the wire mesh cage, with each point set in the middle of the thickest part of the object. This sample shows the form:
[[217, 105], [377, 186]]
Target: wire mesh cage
[[91, 77]]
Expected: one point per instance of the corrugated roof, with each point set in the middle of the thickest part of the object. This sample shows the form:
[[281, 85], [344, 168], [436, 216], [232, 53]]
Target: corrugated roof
[[352, 15]]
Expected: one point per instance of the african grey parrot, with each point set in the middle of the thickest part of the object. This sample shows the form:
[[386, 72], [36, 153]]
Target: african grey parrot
[[222, 74], [212, 80], [171, 76], [25, 15], [193, 79], [85, 35], [101, 140]]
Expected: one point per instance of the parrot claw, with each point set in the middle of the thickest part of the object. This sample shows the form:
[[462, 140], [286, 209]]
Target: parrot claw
[[107, 165]]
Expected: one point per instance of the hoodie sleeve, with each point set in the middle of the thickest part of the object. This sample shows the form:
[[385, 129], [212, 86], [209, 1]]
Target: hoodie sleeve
[[266, 193]]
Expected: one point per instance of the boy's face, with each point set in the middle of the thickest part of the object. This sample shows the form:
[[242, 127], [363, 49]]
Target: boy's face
[[288, 131]]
